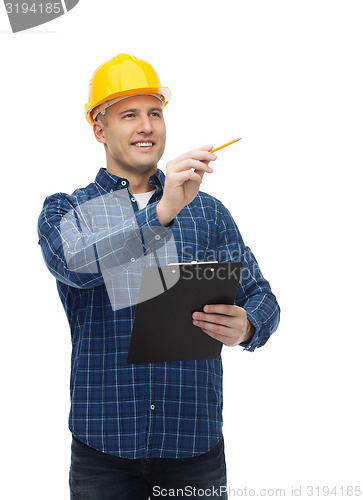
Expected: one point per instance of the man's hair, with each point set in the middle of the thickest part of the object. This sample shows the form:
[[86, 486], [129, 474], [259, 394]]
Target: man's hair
[[102, 118]]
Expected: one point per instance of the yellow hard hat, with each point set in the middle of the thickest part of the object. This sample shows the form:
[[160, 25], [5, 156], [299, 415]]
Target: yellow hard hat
[[122, 76]]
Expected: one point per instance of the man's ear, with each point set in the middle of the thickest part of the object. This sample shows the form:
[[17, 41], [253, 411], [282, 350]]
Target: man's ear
[[99, 132]]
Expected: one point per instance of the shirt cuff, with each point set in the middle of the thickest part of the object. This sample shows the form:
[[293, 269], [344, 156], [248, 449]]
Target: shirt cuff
[[149, 217], [254, 342]]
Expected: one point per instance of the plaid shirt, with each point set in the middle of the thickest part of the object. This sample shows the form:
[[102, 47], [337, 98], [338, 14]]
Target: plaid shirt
[[166, 409]]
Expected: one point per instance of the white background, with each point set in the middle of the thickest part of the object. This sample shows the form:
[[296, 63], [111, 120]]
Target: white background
[[287, 77]]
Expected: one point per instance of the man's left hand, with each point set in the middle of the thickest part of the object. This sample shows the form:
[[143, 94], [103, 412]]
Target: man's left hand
[[226, 323]]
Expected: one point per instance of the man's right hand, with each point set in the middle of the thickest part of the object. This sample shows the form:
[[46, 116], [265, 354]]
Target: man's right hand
[[182, 183]]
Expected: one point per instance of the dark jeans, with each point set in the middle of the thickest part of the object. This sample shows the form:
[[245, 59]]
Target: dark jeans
[[97, 476]]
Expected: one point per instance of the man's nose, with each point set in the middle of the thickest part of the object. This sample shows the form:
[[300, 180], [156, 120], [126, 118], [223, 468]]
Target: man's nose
[[144, 125]]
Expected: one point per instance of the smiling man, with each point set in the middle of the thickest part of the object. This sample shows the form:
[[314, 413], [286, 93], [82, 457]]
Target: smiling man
[[142, 428], [133, 133]]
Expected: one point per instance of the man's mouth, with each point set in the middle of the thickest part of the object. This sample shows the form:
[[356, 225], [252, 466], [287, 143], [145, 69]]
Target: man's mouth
[[143, 144]]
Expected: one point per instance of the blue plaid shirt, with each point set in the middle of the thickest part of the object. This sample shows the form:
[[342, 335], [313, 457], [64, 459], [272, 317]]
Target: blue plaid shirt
[[166, 409]]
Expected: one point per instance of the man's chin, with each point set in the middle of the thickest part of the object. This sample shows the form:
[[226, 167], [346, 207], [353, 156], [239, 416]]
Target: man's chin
[[146, 164]]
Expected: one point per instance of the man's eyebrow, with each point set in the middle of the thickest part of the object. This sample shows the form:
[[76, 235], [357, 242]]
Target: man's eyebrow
[[128, 111], [134, 110]]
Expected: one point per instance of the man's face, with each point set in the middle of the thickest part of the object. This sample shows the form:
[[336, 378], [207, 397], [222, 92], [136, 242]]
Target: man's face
[[134, 133]]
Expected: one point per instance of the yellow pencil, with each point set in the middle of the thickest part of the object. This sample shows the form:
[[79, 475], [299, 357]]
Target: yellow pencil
[[224, 145]]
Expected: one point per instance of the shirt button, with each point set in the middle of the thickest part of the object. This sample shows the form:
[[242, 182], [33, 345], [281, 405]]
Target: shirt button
[[132, 259], [111, 191], [123, 183], [152, 407], [133, 199], [157, 237]]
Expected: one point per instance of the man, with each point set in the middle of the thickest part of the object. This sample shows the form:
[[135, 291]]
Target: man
[[146, 428]]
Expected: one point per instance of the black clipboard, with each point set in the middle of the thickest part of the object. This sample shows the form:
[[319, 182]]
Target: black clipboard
[[163, 328]]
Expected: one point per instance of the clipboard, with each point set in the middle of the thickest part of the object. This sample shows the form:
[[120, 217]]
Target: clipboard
[[163, 328]]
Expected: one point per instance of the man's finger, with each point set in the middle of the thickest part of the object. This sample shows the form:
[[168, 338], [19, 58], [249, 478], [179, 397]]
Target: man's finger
[[219, 329], [227, 309], [189, 163], [226, 340], [217, 319], [199, 154]]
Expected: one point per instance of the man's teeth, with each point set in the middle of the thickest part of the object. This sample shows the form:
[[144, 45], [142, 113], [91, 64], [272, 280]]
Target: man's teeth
[[143, 144]]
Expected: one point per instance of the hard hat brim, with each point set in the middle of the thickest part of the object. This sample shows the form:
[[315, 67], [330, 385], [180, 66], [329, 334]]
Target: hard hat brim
[[164, 92]]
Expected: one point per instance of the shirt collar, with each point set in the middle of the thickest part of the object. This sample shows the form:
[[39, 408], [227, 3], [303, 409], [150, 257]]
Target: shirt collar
[[110, 182]]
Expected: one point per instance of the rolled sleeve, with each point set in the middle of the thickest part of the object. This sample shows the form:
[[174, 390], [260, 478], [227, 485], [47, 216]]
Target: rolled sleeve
[[254, 292]]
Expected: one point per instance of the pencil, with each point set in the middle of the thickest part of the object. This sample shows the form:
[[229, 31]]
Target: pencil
[[224, 145]]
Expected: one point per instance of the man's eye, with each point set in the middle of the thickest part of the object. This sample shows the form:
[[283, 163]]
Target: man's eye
[[129, 115], [155, 113]]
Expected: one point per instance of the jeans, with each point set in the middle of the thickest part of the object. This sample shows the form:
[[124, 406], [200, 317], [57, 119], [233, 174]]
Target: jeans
[[97, 476]]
